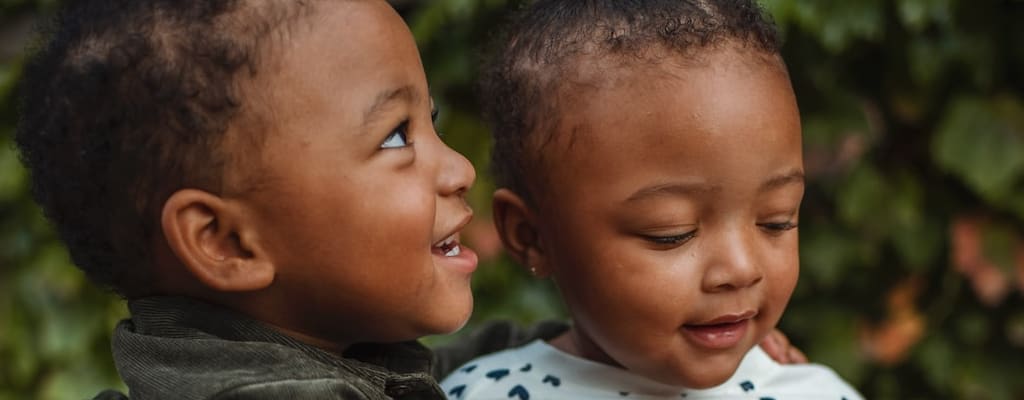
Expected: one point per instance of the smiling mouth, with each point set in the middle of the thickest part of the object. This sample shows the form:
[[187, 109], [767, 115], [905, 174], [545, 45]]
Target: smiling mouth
[[726, 319], [720, 333], [449, 247]]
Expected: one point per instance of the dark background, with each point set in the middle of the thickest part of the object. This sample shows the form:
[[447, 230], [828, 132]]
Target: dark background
[[912, 229]]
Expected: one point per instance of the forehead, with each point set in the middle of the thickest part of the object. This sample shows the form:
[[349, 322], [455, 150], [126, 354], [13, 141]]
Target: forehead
[[717, 113], [321, 77], [337, 62], [351, 41]]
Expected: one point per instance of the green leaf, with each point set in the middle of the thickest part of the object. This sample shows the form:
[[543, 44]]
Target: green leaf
[[973, 328], [824, 255], [981, 141], [935, 356], [916, 14], [782, 11], [12, 175], [862, 201], [837, 24], [1015, 330], [927, 60]]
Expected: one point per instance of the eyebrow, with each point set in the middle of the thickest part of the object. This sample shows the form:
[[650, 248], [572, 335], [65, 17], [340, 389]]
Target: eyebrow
[[673, 189], [386, 97], [688, 189], [791, 177]]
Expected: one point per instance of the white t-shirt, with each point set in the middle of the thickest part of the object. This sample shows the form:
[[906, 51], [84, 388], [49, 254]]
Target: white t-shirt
[[538, 371]]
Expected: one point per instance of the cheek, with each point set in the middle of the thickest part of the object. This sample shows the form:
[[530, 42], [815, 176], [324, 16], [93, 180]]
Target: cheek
[[397, 223], [783, 272], [355, 223], [621, 284]]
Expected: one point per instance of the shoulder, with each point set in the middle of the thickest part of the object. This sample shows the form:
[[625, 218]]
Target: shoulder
[[323, 388], [761, 377], [536, 371], [813, 379], [519, 373], [482, 376]]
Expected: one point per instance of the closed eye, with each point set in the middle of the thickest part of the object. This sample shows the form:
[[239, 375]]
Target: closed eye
[[398, 138], [673, 240], [778, 227]]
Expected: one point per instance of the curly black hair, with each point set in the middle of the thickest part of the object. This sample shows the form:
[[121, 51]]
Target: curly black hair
[[543, 44], [125, 102]]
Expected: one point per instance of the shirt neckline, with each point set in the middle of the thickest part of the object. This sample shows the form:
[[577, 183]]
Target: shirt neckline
[[607, 378]]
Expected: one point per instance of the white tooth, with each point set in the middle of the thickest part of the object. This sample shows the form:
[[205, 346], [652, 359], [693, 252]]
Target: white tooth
[[453, 252]]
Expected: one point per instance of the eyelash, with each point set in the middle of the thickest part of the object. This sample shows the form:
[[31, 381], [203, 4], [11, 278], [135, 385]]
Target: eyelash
[[434, 113], [779, 227], [672, 240], [403, 131], [773, 227]]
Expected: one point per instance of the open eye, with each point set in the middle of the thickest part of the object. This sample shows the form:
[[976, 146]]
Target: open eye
[[398, 138], [434, 112]]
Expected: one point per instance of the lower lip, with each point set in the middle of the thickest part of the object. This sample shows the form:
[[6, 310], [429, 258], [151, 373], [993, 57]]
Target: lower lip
[[718, 336], [465, 262]]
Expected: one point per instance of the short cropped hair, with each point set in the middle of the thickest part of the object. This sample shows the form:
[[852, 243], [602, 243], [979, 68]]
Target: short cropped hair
[[541, 47], [125, 102]]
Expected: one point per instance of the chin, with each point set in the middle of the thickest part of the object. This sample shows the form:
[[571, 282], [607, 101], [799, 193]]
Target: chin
[[699, 376], [706, 381], [450, 319]]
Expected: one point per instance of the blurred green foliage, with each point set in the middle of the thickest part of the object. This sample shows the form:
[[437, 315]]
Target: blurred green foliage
[[912, 225]]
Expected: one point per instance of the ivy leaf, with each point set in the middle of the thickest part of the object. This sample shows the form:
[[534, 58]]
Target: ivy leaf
[[916, 14], [839, 23], [981, 141]]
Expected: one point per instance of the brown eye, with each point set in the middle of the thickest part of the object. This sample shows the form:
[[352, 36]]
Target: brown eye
[[398, 138]]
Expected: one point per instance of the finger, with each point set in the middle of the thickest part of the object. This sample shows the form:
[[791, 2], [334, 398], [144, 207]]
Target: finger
[[796, 356], [772, 345], [781, 337]]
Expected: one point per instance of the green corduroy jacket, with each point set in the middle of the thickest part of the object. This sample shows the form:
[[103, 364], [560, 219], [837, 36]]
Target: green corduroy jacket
[[184, 349]]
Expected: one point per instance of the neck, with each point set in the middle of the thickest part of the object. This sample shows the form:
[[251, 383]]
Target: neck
[[575, 341], [330, 346], [261, 307]]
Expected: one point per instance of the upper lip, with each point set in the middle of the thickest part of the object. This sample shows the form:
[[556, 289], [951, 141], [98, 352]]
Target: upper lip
[[456, 229], [727, 318]]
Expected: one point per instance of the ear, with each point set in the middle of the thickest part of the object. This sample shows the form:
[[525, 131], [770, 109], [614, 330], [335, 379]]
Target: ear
[[214, 241], [517, 228]]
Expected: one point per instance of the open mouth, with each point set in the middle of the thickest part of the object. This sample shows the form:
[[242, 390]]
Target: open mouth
[[712, 328], [449, 247], [720, 333]]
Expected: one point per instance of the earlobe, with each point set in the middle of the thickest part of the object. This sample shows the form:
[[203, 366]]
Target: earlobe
[[214, 242], [517, 229]]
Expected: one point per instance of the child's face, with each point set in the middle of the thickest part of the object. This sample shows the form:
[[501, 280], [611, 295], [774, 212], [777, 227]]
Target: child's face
[[356, 193], [670, 214]]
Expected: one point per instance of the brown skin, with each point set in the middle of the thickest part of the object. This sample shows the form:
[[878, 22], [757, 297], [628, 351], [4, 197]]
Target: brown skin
[[314, 247], [337, 243], [674, 210]]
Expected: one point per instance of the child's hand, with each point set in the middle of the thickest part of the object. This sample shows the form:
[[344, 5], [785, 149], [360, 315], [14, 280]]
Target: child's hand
[[779, 349]]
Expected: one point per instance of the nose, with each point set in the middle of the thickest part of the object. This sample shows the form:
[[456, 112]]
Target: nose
[[456, 174], [733, 263]]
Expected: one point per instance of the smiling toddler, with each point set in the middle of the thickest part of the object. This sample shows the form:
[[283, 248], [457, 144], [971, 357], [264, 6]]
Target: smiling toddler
[[649, 154]]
